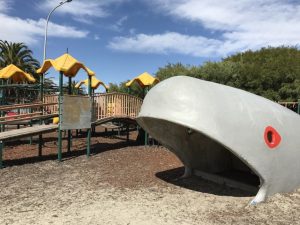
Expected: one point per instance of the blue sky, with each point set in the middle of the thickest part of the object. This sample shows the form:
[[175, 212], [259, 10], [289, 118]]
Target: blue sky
[[119, 39]]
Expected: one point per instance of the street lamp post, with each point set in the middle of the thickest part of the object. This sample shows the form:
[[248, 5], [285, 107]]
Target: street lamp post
[[47, 21]]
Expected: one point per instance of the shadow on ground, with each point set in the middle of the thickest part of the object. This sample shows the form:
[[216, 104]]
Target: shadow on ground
[[95, 149], [200, 185]]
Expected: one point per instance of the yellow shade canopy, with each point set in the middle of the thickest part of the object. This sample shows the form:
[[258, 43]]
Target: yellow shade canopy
[[16, 74], [144, 80], [66, 64], [95, 83]]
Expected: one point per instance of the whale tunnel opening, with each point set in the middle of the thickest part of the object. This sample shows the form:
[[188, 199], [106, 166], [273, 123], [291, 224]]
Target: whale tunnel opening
[[206, 157]]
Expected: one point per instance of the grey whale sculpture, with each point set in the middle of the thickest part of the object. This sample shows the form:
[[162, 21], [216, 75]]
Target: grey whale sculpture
[[209, 126]]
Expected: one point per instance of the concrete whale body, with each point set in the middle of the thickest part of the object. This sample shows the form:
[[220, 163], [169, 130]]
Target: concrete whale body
[[206, 123]]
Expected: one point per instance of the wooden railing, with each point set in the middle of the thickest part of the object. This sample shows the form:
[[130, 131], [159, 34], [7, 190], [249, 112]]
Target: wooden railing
[[105, 105], [116, 105], [294, 106], [53, 100], [24, 112]]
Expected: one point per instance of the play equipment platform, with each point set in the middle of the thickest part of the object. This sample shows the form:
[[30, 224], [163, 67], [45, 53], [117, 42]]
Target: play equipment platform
[[105, 108]]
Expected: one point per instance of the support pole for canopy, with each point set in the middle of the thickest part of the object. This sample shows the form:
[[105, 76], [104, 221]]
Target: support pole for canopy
[[1, 153], [60, 95], [18, 102], [88, 148], [2, 95], [41, 121], [69, 131], [146, 134]]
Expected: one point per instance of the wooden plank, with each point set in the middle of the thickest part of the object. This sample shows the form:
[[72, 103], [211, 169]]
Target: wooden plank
[[28, 131]]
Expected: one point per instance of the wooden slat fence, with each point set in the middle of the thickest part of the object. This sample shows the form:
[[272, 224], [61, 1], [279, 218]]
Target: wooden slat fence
[[116, 105], [17, 113], [105, 105]]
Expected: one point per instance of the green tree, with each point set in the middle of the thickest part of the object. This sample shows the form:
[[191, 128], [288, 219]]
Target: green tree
[[135, 89], [270, 72], [171, 70], [19, 55]]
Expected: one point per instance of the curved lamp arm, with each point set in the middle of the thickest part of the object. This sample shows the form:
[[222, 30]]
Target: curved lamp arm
[[47, 21]]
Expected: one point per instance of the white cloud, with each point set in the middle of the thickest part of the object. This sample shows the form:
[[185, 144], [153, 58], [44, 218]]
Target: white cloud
[[4, 5], [81, 10], [118, 25], [246, 24], [29, 31], [170, 42]]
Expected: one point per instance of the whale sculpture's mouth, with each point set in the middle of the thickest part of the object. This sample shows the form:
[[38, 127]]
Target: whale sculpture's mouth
[[200, 152]]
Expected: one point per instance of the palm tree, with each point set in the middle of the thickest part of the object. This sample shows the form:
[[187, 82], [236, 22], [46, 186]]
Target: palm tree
[[19, 55]]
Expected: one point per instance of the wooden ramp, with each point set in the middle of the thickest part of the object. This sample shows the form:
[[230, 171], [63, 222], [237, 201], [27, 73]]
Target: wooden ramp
[[28, 131]]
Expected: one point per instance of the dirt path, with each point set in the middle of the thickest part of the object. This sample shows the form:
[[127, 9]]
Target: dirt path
[[127, 185]]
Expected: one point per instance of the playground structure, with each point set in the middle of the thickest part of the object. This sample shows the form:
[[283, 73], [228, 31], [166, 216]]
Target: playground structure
[[219, 131], [98, 108], [94, 85]]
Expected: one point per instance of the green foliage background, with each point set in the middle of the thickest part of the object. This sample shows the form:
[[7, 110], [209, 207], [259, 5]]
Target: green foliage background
[[270, 72]]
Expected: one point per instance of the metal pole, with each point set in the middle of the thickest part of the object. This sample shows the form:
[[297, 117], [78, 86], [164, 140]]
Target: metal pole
[[30, 124], [18, 102], [59, 150], [41, 121], [46, 27], [93, 112], [69, 131], [2, 103], [5, 102], [1, 153], [146, 134], [88, 149]]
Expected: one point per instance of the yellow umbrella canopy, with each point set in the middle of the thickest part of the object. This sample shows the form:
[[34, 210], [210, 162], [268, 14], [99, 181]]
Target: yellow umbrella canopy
[[95, 83], [16, 74], [66, 64], [144, 80]]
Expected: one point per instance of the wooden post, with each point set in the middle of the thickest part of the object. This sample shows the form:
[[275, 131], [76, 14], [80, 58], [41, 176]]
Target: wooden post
[[60, 95], [88, 148]]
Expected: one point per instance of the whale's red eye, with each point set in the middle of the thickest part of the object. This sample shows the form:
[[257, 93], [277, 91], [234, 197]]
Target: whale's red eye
[[272, 137]]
